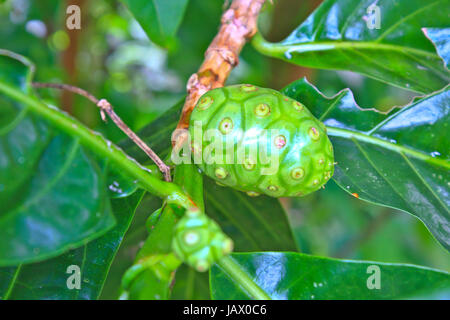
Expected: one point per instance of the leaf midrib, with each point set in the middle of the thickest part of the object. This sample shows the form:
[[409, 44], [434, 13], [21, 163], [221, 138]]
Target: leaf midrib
[[281, 47], [345, 133], [13, 282]]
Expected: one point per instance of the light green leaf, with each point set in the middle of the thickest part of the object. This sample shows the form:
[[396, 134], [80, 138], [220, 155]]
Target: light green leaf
[[160, 19]]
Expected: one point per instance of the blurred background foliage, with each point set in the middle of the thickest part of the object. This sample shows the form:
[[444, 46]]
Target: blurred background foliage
[[112, 57]]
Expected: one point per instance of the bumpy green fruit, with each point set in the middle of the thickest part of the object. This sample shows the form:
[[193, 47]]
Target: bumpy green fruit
[[243, 119], [199, 241]]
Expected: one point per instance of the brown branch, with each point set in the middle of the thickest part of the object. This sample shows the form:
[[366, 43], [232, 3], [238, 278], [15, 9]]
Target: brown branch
[[105, 107], [238, 24]]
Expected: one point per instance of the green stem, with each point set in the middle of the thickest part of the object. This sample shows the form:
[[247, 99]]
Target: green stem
[[101, 147], [234, 271]]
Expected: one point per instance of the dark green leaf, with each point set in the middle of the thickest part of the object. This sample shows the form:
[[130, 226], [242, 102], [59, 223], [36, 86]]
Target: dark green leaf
[[160, 19], [254, 224], [53, 193], [400, 159], [297, 276], [48, 279], [336, 36]]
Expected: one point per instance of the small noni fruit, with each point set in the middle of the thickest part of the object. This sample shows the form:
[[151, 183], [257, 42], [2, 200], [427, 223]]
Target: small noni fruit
[[199, 241]]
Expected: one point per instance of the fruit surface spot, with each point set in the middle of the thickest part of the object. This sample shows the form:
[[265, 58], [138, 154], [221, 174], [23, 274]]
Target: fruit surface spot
[[191, 238], [226, 125], [249, 164], [314, 133], [205, 103], [262, 110], [221, 173], [280, 141], [227, 246], [248, 88], [297, 106], [297, 173], [202, 265]]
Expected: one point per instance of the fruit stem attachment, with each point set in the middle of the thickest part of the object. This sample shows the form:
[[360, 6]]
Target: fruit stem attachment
[[105, 107], [238, 25], [235, 272]]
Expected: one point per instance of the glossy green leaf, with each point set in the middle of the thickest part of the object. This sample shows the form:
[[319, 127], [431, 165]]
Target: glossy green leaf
[[296, 276], [399, 159], [254, 224], [441, 39], [160, 19], [48, 279], [343, 35], [52, 192]]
